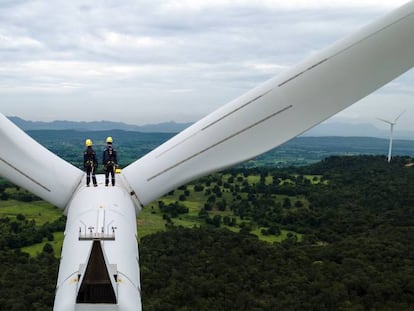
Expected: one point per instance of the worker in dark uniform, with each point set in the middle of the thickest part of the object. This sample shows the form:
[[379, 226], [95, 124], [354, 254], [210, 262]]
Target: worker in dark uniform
[[90, 163], [110, 161]]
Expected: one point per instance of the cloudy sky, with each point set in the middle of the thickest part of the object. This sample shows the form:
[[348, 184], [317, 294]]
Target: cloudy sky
[[159, 60]]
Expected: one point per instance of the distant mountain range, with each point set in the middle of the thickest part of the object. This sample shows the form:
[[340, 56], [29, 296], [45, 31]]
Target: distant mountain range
[[165, 127], [356, 130], [324, 129]]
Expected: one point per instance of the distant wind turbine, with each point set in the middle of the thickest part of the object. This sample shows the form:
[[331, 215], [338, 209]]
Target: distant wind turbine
[[391, 132]]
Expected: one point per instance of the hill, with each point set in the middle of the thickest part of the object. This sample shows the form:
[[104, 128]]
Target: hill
[[323, 129], [304, 150], [132, 145], [165, 127], [357, 130]]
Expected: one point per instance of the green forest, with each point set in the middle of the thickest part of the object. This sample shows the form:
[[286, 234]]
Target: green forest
[[69, 144], [337, 234], [316, 224]]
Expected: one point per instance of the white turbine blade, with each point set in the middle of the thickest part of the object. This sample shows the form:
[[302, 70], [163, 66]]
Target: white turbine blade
[[31, 166], [281, 108], [383, 120], [396, 119]]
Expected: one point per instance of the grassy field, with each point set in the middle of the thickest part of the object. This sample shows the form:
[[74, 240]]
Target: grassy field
[[151, 218], [40, 211], [149, 222], [36, 249]]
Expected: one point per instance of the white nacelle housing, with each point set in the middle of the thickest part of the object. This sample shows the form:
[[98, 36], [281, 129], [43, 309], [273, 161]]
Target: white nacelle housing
[[104, 215]]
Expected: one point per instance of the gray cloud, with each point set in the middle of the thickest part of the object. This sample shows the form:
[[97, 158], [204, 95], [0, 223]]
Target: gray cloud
[[152, 61]]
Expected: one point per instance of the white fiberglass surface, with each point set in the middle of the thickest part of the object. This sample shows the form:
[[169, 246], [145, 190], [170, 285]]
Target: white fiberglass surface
[[28, 164], [281, 108], [101, 212]]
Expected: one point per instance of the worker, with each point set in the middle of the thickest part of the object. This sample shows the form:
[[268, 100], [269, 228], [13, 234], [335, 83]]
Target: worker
[[110, 161], [90, 163]]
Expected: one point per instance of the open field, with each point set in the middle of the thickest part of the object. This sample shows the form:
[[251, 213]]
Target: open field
[[36, 249], [152, 219], [39, 211]]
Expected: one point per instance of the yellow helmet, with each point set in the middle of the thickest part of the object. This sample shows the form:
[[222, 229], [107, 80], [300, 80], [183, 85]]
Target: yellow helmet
[[88, 142], [109, 139]]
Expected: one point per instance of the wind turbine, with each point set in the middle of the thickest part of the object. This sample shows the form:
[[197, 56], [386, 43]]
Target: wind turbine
[[391, 133], [99, 267]]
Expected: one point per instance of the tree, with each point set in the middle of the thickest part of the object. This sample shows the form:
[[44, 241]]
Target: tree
[[286, 203], [198, 187], [48, 249], [298, 203], [203, 214], [217, 220]]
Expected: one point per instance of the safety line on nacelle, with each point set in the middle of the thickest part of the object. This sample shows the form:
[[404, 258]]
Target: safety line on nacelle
[[221, 141], [27, 176], [67, 278], [344, 49], [136, 286], [214, 122]]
